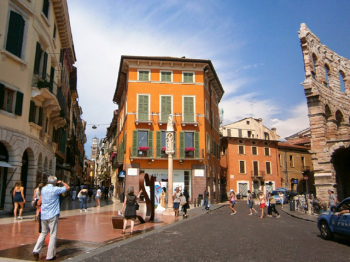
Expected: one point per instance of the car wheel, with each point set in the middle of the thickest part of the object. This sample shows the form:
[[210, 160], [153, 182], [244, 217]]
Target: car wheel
[[325, 231]]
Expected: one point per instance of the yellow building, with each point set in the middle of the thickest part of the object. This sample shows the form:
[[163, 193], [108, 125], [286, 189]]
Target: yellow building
[[148, 90], [37, 92]]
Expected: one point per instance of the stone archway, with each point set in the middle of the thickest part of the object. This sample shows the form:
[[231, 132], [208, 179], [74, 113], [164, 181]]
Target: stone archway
[[341, 164], [28, 171]]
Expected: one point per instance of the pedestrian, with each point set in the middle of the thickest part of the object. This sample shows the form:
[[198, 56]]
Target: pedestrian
[[105, 192], [187, 205], [83, 198], [18, 199], [94, 192], [74, 192], [39, 216], [129, 209], [206, 199], [272, 206], [332, 199], [177, 200], [267, 193], [90, 192], [232, 202], [36, 196], [111, 189], [50, 211], [98, 196], [251, 203], [262, 200], [281, 197]]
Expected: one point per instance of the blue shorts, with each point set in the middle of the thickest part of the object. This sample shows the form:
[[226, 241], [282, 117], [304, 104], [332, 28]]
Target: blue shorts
[[233, 202], [97, 197], [176, 205], [251, 203]]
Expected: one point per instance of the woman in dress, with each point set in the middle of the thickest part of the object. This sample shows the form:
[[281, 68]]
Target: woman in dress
[[98, 196], [177, 200], [36, 196], [18, 199], [83, 198], [232, 198], [262, 200], [130, 208], [187, 205], [281, 197], [162, 198]]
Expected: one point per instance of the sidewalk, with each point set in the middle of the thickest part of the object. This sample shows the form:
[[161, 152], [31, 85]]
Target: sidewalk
[[300, 215], [79, 232]]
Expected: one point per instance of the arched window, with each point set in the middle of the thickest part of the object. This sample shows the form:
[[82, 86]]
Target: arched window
[[339, 118], [342, 82], [327, 70], [314, 65], [328, 112]]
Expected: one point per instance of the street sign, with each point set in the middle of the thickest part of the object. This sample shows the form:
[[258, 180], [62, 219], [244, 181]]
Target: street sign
[[306, 177]]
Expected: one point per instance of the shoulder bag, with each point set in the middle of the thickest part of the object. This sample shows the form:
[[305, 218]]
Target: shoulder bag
[[183, 201]]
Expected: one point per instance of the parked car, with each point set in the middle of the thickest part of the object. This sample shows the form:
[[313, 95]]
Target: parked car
[[275, 194], [291, 194], [332, 222]]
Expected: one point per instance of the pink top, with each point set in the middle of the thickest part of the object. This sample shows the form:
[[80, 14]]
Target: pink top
[[233, 197]]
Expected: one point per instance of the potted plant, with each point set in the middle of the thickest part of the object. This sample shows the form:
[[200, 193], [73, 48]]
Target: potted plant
[[143, 148], [42, 84], [189, 151]]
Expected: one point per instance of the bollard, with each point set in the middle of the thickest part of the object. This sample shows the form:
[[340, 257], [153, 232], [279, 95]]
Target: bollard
[[195, 202]]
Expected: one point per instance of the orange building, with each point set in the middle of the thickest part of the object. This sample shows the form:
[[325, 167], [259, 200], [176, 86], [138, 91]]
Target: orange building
[[148, 90], [249, 157]]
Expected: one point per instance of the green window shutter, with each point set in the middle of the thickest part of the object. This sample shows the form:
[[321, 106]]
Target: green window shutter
[[61, 56], [166, 76], [188, 109], [44, 66], [143, 75], [159, 143], [52, 78], [37, 58], [15, 34], [2, 95], [143, 108], [188, 77], [40, 120], [124, 146], [182, 144], [134, 143], [165, 107], [196, 145], [46, 6], [32, 111], [219, 151], [150, 143], [214, 148], [19, 103]]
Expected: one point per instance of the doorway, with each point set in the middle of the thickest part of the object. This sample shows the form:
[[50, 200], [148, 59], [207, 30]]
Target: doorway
[[24, 171]]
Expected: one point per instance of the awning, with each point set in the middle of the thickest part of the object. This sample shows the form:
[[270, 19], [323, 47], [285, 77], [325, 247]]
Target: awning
[[5, 164]]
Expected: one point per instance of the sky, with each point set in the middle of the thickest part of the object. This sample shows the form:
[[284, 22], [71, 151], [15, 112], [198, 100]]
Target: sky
[[253, 45]]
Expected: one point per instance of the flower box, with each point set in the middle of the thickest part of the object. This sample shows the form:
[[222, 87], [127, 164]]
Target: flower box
[[189, 149], [143, 148]]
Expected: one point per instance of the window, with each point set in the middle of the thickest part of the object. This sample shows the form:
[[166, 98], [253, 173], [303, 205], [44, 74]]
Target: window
[[341, 79], [229, 132], [326, 69], [10, 100], [165, 108], [165, 76], [187, 77], [189, 139], [303, 162], [239, 132], [266, 136], [267, 151], [242, 167], [217, 123], [314, 64], [46, 7], [15, 34], [223, 150], [249, 133], [280, 159], [208, 144], [143, 105], [144, 75], [241, 150], [207, 110], [189, 144], [212, 117], [54, 31], [254, 150], [188, 109], [142, 143], [40, 62], [291, 161], [35, 114], [161, 144], [248, 122], [255, 168], [268, 168]]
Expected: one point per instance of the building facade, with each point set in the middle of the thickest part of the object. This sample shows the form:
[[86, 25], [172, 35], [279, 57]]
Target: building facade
[[327, 89], [36, 95], [249, 158], [148, 91]]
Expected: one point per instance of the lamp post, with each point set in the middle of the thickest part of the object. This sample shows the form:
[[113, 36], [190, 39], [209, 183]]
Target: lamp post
[[170, 151]]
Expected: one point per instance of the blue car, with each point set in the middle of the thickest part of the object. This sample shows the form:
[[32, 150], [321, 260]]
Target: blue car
[[275, 194], [333, 222]]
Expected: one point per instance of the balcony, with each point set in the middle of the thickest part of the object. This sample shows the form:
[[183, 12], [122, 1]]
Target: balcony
[[258, 174], [159, 153], [189, 119], [143, 118]]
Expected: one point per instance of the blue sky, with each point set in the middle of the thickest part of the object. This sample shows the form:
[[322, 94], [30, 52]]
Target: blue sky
[[254, 47]]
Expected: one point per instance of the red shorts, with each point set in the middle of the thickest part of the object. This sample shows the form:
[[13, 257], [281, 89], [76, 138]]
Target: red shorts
[[262, 205]]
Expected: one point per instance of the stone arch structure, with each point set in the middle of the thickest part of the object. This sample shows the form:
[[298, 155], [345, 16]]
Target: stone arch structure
[[329, 111]]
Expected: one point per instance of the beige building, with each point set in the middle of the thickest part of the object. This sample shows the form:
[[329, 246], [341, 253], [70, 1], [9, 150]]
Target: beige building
[[36, 95]]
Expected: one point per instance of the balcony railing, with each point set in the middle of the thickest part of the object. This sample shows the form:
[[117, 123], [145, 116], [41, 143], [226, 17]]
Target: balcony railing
[[258, 174], [189, 119], [159, 153]]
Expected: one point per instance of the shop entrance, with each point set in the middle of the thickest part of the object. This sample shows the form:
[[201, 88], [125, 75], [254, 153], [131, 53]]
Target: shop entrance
[[24, 171]]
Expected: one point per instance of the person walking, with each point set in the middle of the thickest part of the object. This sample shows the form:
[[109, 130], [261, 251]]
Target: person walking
[[332, 199], [105, 192], [232, 198], [206, 199], [18, 199], [251, 203], [177, 200], [83, 198], [187, 205], [36, 196], [281, 197], [98, 196], [130, 209], [272, 206], [111, 189], [262, 200], [50, 211]]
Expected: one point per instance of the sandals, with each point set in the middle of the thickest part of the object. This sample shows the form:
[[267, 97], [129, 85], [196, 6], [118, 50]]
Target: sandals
[[123, 232]]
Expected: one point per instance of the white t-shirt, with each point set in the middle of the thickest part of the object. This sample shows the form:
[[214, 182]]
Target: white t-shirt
[[98, 192]]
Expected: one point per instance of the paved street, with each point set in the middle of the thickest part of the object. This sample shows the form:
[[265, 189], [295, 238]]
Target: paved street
[[204, 236]]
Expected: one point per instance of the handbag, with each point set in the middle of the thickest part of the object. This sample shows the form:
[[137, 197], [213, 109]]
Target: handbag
[[137, 206], [183, 200], [34, 203]]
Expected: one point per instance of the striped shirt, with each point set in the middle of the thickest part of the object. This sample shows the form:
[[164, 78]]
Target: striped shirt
[[50, 203]]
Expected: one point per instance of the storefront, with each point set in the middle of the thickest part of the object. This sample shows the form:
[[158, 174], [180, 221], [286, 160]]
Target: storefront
[[4, 166]]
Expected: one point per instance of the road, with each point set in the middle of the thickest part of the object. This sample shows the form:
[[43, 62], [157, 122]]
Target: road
[[219, 236]]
